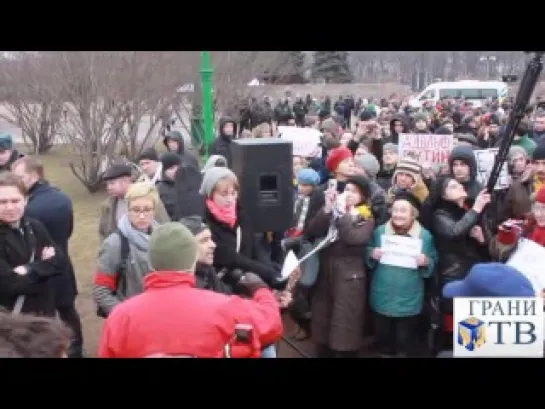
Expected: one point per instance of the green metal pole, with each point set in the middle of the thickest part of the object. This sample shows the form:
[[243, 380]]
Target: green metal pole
[[207, 102]]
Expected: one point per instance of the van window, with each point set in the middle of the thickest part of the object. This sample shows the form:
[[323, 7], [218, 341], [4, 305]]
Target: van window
[[428, 95], [469, 93], [449, 93]]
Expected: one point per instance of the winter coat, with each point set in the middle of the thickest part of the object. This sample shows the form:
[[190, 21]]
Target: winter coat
[[340, 296], [222, 143], [167, 193], [17, 245], [54, 209], [173, 318], [458, 252], [226, 255], [111, 287], [187, 158], [397, 291]]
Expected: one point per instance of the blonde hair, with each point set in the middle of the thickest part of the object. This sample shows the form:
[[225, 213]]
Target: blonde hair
[[142, 189], [259, 130]]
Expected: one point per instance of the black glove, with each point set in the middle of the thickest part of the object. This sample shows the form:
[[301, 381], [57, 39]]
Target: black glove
[[232, 277], [250, 283]]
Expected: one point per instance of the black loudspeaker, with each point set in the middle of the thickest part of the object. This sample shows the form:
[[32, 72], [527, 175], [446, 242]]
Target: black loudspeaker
[[264, 168]]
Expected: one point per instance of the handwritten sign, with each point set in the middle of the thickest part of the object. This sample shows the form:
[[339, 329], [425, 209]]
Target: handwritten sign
[[400, 251], [528, 260], [485, 162], [306, 141], [430, 148]]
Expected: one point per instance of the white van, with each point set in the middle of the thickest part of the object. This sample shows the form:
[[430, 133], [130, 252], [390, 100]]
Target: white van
[[473, 91]]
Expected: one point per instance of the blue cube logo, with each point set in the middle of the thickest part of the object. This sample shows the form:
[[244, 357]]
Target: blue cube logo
[[471, 333]]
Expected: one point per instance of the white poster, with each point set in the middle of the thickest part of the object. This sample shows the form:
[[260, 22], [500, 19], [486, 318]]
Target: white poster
[[430, 148], [400, 251], [485, 162], [306, 141]]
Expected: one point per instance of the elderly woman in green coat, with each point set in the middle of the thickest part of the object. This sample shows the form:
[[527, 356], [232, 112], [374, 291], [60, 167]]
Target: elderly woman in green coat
[[397, 293]]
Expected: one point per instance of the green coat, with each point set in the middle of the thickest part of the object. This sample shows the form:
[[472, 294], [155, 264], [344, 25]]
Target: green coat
[[397, 291]]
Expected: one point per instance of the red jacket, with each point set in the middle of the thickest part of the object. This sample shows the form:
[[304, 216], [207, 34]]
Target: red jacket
[[172, 317]]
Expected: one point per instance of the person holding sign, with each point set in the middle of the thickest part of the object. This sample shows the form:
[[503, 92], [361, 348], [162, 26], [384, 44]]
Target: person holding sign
[[339, 300], [399, 269]]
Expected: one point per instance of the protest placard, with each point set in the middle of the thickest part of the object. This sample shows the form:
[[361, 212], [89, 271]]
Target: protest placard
[[431, 148], [400, 251], [528, 260], [485, 162], [306, 141]]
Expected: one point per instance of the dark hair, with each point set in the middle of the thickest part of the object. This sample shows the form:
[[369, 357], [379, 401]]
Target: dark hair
[[28, 336]]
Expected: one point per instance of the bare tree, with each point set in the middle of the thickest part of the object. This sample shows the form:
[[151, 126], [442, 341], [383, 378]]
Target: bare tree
[[147, 86], [113, 103], [30, 99]]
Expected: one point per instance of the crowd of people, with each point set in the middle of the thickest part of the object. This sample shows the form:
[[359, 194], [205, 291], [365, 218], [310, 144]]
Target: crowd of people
[[181, 273]]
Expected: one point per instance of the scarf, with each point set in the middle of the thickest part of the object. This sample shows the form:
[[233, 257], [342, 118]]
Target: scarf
[[227, 215], [137, 238]]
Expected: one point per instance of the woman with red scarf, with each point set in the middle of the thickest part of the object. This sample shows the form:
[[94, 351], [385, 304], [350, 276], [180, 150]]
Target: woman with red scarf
[[532, 227], [230, 228]]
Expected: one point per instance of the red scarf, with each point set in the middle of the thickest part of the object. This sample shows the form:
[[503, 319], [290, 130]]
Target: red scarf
[[538, 235], [227, 215]]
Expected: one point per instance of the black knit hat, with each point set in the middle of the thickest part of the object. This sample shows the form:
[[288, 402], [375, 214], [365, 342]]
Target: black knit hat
[[409, 197], [170, 159], [194, 224], [149, 154], [539, 152], [362, 184]]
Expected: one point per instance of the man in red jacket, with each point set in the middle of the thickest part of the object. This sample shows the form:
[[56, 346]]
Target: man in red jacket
[[173, 318]]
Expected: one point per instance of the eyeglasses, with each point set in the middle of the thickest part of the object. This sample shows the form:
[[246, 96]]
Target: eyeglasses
[[138, 211]]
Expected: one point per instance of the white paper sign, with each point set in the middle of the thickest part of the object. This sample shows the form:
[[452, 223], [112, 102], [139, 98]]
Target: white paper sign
[[305, 141], [430, 148], [290, 264], [528, 259], [400, 251], [485, 162]]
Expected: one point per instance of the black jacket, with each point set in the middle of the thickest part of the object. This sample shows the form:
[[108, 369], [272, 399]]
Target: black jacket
[[458, 252], [16, 249], [226, 256], [54, 209], [167, 193], [222, 144], [207, 279]]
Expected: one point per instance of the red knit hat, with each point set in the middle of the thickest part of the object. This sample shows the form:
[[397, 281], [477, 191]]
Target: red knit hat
[[336, 156]]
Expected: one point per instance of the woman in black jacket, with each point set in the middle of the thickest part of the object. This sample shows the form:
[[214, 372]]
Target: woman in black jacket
[[28, 257], [231, 231], [459, 239]]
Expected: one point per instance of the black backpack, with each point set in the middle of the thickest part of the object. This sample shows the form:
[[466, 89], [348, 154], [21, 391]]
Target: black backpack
[[124, 254]]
